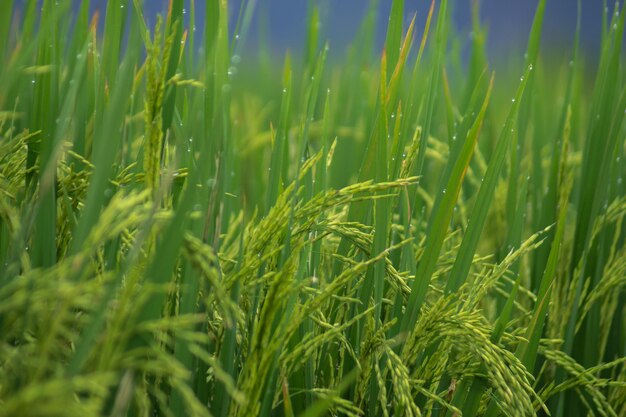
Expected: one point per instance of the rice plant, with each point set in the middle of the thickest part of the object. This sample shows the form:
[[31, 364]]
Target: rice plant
[[188, 228]]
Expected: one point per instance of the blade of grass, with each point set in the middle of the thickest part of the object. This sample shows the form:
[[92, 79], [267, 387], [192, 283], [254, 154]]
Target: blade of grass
[[607, 112], [175, 24], [394, 33], [105, 150], [6, 13], [440, 222]]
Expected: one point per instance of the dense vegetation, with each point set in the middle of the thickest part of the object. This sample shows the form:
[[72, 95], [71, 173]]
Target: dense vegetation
[[395, 233]]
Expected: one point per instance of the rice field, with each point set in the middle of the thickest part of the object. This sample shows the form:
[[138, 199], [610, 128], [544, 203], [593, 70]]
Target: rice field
[[191, 229]]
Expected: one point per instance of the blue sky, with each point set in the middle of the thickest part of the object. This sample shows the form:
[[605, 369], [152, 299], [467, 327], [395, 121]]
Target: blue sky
[[509, 21]]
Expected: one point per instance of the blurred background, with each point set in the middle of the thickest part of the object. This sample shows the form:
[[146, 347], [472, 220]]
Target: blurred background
[[283, 22]]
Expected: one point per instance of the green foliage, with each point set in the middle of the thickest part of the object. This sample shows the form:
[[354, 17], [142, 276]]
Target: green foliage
[[187, 230]]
